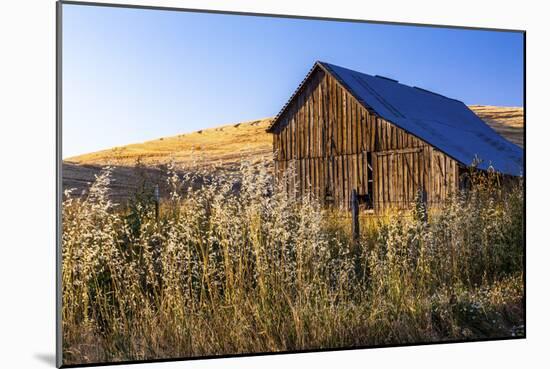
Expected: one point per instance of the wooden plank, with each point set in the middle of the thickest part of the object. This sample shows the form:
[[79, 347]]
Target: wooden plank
[[337, 118], [310, 124], [317, 177], [279, 144], [380, 134], [288, 139], [391, 178], [313, 176], [374, 133], [331, 167], [365, 172], [399, 151], [276, 150], [339, 122], [353, 174], [440, 177], [292, 139], [297, 133], [360, 175], [302, 177], [285, 143], [412, 183], [321, 143], [303, 127], [421, 183], [344, 125], [314, 122], [393, 137], [414, 168], [282, 141], [426, 174], [298, 177], [299, 128], [345, 175], [359, 126], [407, 179], [347, 121], [355, 123], [400, 185], [375, 183], [330, 120], [367, 176], [322, 180], [328, 125], [389, 141], [309, 178], [311, 171], [364, 139], [342, 179], [443, 188], [307, 136], [356, 179], [384, 179], [449, 176], [334, 118], [337, 181], [380, 180], [387, 179]]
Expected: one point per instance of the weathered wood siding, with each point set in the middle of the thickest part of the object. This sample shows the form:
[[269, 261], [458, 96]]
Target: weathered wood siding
[[329, 139]]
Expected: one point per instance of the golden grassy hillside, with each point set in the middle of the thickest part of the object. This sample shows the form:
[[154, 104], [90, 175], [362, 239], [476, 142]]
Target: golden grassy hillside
[[224, 144], [508, 121], [219, 149]]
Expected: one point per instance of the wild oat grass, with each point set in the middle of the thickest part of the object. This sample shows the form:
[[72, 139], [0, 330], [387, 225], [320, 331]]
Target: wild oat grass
[[240, 267]]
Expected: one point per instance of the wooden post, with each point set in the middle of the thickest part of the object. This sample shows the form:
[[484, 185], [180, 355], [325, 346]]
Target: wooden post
[[157, 201], [422, 206], [354, 217]]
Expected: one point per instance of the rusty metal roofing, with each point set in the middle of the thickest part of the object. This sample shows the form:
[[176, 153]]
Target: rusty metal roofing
[[445, 123]]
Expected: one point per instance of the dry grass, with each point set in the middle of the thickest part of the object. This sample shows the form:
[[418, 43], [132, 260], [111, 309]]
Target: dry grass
[[508, 121], [226, 144], [225, 272]]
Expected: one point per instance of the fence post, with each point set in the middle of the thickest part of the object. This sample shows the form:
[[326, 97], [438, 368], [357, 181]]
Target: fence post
[[157, 201], [354, 217], [423, 204]]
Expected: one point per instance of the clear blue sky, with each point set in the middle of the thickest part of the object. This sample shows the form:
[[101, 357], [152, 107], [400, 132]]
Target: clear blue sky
[[131, 75]]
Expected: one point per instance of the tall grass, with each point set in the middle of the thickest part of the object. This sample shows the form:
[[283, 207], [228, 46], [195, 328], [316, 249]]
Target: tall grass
[[241, 266]]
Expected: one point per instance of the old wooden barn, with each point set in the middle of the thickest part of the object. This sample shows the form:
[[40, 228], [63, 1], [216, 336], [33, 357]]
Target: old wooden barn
[[344, 130]]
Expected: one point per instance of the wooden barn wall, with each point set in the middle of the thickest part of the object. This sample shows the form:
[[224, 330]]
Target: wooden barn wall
[[327, 138]]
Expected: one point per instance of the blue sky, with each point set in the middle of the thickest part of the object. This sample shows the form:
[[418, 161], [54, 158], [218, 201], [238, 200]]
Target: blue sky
[[130, 75]]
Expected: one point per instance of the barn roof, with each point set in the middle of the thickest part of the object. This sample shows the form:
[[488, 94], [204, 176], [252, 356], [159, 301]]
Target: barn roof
[[445, 123]]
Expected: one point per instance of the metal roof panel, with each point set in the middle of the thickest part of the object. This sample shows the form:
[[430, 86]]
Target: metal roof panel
[[445, 123]]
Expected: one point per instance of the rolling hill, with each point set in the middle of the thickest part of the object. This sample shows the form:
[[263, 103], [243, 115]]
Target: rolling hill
[[219, 149], [506, 121]]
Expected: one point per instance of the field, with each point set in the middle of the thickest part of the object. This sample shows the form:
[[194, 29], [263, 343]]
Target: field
[[219, 271], [223, 273], [220, 149], [506, 121]]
